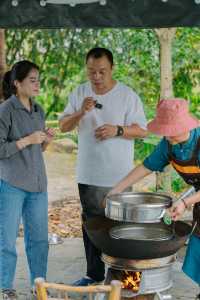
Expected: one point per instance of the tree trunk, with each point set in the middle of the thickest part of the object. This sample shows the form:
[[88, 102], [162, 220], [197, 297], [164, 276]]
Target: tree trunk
[[165, 36], [2, 58]]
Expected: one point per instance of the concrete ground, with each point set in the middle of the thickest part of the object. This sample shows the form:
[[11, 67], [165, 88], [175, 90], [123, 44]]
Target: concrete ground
[[67, 263]]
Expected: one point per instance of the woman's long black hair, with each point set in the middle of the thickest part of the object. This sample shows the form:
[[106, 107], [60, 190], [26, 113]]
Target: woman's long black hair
[[19, 72]]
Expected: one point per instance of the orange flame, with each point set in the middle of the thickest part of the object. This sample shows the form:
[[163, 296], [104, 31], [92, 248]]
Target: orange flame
[[131, 280]]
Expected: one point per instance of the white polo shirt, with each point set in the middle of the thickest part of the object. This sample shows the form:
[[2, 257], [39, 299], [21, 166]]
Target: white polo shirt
[[104, 163]]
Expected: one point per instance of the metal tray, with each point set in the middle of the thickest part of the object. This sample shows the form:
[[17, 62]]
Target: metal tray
[[137, 207], [142, 232]]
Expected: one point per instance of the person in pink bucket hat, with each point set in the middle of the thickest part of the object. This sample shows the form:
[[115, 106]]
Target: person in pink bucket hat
[[180, 147], [172, 118]]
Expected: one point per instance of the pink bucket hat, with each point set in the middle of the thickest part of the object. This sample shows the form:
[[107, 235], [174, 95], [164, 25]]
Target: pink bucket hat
[[172, 118]]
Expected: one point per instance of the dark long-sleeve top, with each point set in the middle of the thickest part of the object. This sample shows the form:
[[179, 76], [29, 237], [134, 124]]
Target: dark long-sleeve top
[[24, 168]]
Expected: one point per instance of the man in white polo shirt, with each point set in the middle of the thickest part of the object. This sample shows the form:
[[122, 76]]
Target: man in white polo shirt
[[109, 115]]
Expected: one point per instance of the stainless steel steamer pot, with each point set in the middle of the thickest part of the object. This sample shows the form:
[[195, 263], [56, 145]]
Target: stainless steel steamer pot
[[137, 207]]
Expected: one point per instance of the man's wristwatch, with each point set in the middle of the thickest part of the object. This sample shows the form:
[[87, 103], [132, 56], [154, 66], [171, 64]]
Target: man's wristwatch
[[120, 130]]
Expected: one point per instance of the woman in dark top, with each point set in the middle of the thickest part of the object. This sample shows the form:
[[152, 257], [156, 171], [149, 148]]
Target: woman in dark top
[[23, 182]]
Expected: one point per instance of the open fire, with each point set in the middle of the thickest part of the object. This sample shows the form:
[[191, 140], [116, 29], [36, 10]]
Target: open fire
[[131, 280]]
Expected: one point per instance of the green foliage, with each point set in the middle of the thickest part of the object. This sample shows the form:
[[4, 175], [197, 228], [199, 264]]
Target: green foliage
[[60, 53], [144, 147], [177, 182], [186, 57]]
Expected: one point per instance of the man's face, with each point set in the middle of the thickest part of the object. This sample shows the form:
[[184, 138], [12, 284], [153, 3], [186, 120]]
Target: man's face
[[99, 71]]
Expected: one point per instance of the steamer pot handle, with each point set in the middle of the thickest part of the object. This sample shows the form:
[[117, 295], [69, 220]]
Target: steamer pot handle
[[162, 214]]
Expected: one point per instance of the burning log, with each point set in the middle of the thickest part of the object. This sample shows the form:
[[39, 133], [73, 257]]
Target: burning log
[[131, 280]]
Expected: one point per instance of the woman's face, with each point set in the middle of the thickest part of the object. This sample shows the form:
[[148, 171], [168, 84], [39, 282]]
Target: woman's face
[[30, 86]]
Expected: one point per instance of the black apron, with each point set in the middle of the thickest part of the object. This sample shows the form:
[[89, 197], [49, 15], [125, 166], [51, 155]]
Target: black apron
[[189, 170]]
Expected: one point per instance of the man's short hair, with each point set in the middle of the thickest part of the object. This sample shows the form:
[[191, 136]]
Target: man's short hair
[[100, 52]]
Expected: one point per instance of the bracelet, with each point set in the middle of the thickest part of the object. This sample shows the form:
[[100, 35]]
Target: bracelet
[[184, 203]]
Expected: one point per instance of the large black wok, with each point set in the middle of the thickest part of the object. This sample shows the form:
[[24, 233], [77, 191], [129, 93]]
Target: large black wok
[[98, 231]]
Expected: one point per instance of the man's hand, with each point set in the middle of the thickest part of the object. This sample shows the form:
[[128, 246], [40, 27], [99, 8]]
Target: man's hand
[[88, 105], [105, 131]]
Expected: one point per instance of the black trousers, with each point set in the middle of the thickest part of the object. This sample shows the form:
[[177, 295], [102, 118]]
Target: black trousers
[[91, 199]]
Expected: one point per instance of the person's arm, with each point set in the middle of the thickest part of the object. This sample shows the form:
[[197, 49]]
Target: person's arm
[[133, 177], [195, 198], [156, 161], [9, 147], [107, 131], [36, 138], [70, 121], [135, 121], [134, 131], [134, 124]]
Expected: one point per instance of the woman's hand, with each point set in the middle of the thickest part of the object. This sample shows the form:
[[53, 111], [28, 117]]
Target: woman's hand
[[37, 137], [50, 133], [177, 210]]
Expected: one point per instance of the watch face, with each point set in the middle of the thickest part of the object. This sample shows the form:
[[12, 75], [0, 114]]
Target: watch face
[[120, 131]]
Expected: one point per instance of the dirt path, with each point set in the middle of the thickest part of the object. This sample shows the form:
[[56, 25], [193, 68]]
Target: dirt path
[[61, 176]]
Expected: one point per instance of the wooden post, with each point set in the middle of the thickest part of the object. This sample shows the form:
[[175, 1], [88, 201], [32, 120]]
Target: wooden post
[[165, 37], [2, 58]]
